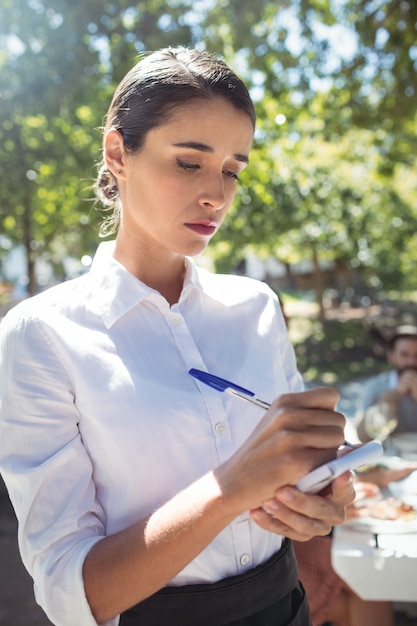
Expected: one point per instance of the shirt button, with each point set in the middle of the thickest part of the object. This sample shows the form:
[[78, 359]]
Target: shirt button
[[244, 559], [220, 427], [175, 320]]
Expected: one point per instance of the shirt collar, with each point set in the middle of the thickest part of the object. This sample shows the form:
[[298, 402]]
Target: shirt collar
[[117, 291]]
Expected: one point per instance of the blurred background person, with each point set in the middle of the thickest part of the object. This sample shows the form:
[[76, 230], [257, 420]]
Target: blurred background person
[[393, 393]]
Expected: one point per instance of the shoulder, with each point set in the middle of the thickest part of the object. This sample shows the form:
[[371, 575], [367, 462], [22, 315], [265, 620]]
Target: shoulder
[[232, 289], [373, 388], [57, 300], [380, 381]]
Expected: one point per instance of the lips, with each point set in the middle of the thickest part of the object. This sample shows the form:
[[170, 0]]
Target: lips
[[205, 227]]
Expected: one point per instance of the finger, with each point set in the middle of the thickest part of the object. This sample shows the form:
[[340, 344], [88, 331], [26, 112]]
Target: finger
[[343, 488], [305, 528], [318, 398], [289, 504], [296, 418]]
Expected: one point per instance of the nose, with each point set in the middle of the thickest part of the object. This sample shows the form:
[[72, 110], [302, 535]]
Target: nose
[[214, 195]]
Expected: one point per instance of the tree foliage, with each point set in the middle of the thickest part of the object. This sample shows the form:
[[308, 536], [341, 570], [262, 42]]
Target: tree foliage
[[333, 171]]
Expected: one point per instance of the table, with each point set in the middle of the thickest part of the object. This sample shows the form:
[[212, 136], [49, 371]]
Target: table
[[388, 572]]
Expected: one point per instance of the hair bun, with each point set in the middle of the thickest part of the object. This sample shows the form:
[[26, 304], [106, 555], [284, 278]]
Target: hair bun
[[107, 190]]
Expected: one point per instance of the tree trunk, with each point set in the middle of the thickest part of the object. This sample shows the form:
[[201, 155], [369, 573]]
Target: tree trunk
[[28, 237], [289, 278], [319, 285]]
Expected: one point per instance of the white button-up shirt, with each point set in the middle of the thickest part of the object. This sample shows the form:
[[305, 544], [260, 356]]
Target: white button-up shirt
[[100, 422]]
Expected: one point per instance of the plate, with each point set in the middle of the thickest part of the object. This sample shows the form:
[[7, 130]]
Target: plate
[[377, 526], [370, 524]]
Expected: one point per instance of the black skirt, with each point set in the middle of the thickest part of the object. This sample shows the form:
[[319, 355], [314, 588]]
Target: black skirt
[[267, 595]]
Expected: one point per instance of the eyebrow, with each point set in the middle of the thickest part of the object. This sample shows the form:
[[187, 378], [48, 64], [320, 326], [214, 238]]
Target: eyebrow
[[202, 147]]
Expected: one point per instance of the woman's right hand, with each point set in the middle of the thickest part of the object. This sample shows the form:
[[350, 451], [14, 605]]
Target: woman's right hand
[[298, 433]]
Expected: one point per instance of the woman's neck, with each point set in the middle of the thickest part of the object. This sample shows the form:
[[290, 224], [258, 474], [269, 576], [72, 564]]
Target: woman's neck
[[164, 275]]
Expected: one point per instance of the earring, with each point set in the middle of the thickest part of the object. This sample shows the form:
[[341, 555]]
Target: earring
[[119, 172]]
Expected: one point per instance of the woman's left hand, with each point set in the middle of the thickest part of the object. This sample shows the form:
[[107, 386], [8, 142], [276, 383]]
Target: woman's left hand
[[300, 516]]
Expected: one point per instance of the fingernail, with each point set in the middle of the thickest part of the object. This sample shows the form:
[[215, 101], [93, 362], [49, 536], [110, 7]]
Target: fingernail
[[272, 504], [285, 494]]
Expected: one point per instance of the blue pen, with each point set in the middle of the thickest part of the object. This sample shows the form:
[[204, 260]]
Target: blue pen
[[221, 384]]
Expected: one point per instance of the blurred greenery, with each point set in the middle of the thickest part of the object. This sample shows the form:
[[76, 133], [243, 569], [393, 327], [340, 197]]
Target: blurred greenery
[[343, 350], [333, 175], [345, 347]]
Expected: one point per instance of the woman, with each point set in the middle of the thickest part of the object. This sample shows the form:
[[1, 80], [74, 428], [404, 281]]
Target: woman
[[139, 490]]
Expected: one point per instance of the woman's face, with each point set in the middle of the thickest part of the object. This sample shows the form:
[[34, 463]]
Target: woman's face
[[176, 191]]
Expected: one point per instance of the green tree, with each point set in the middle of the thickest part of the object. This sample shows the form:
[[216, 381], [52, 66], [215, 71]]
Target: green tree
[[58, 65], [45, 127], [337, 114], [334, 85]]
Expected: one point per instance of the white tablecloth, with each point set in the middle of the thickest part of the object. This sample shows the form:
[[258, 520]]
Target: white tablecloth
[[386, 573]]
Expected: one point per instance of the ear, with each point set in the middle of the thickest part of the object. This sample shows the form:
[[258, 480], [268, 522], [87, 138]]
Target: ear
[[113, 152]]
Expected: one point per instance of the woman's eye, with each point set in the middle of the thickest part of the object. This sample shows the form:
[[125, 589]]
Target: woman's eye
[[189, 167], [193, 167], [231, 175]]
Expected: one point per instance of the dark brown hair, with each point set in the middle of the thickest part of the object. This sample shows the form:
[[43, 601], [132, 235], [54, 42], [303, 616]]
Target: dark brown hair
[[151, 92]]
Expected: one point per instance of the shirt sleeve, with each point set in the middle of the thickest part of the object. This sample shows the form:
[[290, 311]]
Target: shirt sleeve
[[372, 390], [47, 470]]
